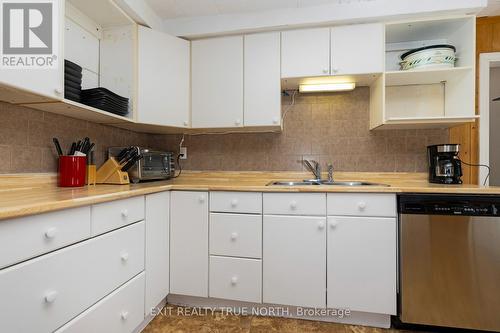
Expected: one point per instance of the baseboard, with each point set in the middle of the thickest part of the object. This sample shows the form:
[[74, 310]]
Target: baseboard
[[273, 310], [150, 316]]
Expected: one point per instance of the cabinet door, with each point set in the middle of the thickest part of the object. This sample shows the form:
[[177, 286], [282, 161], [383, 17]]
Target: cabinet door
[[362, 264], [189, 243], [294, 260], [163, 79], [262, 80], [217, 82], [357, 49], [29, 85], [157, 248], [305, 52]]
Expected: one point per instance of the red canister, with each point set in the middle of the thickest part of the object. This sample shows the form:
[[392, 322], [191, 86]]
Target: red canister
[[72, 171]]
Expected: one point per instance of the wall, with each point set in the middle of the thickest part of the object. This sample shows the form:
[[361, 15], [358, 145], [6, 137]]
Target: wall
[[494, 126], [26, 138], [487, 40], [325, 127]]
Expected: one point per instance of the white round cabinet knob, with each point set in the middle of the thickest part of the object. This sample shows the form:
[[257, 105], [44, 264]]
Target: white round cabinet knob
[[234, 280], [237, 122], [58, 91], [124, 315], [124, 257], [276, 120], [321, 225], [361, 205], [186, 123], [50, 233], [293, 205], [234, 235], [234, 203], [50, 297], [125, 213], [333, 224], [325, 71], [335, 70], [201, 198]]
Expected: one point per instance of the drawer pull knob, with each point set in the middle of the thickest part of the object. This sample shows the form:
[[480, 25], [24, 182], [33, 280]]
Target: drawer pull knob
[[234, 280], [237, 122], [201, 198], [124, 257], [276, 120], [124, 315], [333, 224], [50, 297], [234, 235], [125, 213], [325, 70], [50, 233], [321, 225], [293, 205], [362, 205], [234, 202]]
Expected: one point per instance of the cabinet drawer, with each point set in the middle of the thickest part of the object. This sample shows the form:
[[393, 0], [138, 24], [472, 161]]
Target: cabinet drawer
[[361, 204], [236, 202], [54, 288], [295, 203], [236, 279], [30, 236], [119, 312], [115, 214], [236, 235]]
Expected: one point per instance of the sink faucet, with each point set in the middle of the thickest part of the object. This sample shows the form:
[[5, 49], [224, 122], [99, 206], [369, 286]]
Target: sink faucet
[[330, 172], [314, 167]]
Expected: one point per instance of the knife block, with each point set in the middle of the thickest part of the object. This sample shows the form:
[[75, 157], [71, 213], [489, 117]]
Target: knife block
[[110, 173]]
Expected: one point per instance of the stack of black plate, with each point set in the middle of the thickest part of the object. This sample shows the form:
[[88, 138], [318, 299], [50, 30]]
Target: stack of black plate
[[72, 81], [106, 100]]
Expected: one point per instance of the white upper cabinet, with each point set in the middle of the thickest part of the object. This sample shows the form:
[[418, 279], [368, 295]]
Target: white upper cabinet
[[357, 49], [305, 52], [217, 82], [163, 79], [262, 106], [27, 85]]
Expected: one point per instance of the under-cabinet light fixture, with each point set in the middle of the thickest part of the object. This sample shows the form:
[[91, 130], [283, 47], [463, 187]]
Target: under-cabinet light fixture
[[326, 87]]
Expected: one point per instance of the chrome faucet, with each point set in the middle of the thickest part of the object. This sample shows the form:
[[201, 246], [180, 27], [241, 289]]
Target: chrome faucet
[[330, 172], [314, 167]]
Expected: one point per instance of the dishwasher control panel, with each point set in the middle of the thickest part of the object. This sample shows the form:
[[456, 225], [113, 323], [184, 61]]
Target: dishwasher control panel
[[471, 205]]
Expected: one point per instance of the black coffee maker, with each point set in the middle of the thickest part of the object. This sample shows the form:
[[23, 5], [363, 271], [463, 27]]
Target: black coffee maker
[[444, 164]]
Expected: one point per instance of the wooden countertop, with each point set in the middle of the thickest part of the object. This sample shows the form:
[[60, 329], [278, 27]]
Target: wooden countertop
[[27, 194]]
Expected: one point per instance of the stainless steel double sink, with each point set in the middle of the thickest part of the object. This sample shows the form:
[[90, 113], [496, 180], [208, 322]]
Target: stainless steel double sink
[[322, 182]]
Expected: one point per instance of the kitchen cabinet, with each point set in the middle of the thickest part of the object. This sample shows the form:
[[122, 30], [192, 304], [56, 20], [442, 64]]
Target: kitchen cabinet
[[217, 82], [357, 49], [262, 85], [361, 268], [305, 52], [163, 79], [294, 260], [157, 249], [189, 243]]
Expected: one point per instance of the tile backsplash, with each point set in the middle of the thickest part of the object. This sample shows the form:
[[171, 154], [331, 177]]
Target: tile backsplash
[[325, 127]]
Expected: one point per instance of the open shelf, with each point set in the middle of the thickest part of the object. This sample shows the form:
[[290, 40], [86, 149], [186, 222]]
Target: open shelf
[[81, 111], [427, 122], [425, 76]]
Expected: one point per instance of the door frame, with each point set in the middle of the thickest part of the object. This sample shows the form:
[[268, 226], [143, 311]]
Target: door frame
[[486, 62]]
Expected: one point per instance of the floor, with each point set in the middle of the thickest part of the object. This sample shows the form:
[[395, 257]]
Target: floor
[[170, 321]]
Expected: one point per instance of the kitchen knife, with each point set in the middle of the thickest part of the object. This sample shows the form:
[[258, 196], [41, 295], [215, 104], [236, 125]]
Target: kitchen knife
[[131, 162], [72, 149], [130, 153], [122, 153]]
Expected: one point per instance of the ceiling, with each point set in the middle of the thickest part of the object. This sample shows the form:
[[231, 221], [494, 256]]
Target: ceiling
[[493, 9], [171, 9]]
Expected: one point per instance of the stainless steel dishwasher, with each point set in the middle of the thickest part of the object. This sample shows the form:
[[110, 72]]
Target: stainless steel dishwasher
[[449, 251]]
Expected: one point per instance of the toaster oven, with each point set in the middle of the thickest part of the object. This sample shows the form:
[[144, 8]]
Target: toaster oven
[[154, 164]]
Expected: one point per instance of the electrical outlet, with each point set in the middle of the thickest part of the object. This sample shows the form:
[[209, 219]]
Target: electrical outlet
[[184, 153]]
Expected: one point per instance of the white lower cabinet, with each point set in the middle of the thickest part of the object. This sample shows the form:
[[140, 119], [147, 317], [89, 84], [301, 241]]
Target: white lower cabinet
[[54, 288], [119, 312], [361, 267], [294, 260], [189, 243], [236, 279], [157, 249]]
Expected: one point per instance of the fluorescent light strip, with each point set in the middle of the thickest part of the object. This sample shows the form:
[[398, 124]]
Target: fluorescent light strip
[[325, 87]]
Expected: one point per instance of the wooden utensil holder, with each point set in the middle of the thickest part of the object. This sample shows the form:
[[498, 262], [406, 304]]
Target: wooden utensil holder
[[110, 173]]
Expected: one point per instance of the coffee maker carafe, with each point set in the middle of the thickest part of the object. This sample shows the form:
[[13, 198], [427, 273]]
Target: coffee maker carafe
[[444, 164]]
